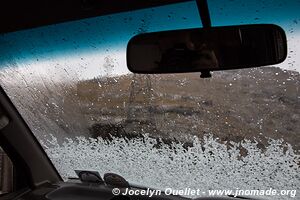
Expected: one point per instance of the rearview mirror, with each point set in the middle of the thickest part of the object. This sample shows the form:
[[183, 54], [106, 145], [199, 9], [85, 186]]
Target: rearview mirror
[[207, 49]]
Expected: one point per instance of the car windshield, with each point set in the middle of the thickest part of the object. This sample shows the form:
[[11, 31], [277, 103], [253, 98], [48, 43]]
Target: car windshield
[[236, 130]]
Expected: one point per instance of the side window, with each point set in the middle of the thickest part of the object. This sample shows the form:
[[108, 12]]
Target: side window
[[6, 174]]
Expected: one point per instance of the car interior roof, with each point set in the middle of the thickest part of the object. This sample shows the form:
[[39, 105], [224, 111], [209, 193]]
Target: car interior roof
[[17, 15]]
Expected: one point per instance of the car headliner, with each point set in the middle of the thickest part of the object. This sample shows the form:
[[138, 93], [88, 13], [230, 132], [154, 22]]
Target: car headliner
[[17, 15]]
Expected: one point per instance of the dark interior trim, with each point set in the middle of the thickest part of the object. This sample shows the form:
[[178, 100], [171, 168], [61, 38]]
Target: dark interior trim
[[22, 147], [17, 15]]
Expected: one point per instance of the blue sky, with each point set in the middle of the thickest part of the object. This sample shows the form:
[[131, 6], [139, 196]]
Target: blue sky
[[282, 12], [87, 42]]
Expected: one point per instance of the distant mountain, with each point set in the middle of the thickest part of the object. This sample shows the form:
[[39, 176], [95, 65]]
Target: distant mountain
[[234, 105]]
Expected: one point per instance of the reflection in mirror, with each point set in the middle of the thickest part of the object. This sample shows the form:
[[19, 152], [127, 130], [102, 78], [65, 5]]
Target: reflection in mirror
[[219, 48]]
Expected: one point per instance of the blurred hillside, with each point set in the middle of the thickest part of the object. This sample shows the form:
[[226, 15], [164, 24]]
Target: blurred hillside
[[256, 103]]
